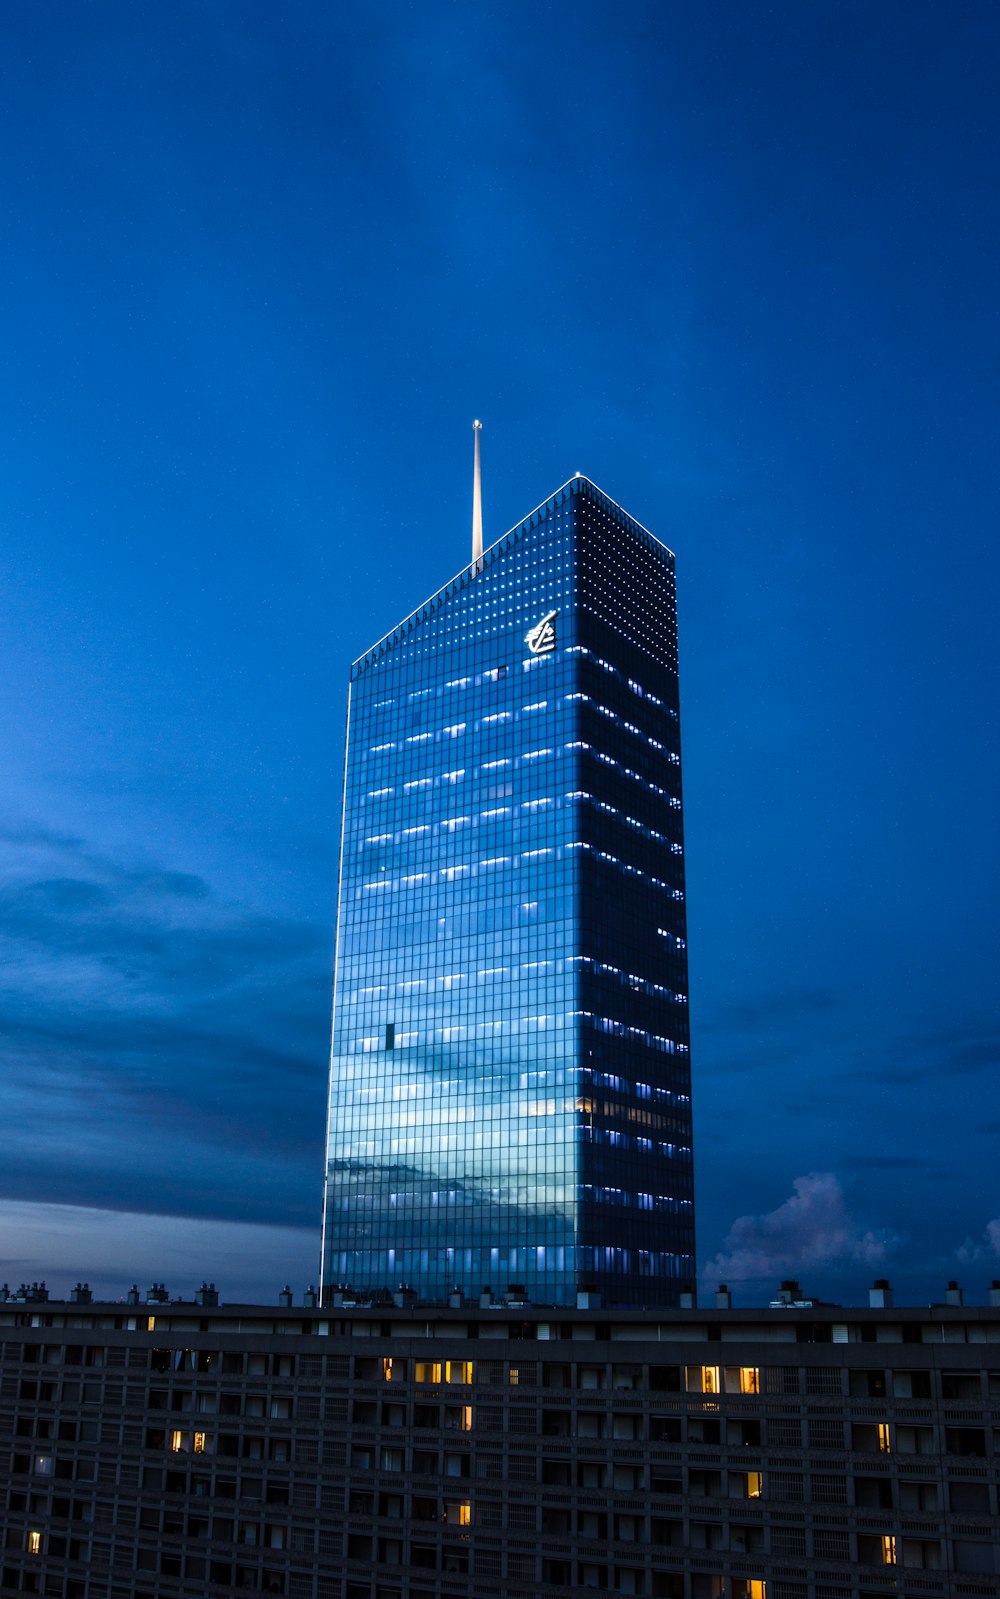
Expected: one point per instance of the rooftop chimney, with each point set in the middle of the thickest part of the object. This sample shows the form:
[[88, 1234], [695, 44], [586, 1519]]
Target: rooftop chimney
[[880, 1294], [723, 1298], [953, 1294]]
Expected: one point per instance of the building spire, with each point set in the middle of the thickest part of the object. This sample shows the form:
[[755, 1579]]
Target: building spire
[[477, 504]]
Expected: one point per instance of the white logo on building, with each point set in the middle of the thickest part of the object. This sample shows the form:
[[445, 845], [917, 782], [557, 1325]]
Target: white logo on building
[[542, 638]]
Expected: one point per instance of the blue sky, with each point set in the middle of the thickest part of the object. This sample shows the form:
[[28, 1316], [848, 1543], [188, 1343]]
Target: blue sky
[[262, 265]]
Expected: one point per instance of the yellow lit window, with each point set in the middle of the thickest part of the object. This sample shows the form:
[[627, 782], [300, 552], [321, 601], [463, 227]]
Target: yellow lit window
[[387, 1368], [756, 1588], [883, 1437], [427, 1371], [707, 1377], [513, 1376], [466, 1418], [199, 1443], [888, 1549], [177, 1442], [755, 1484], [458, 1371], [150, 1323], [34, 1543], [749, 1380]]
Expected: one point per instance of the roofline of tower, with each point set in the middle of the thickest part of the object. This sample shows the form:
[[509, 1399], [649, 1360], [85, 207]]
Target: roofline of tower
[[479, 564]]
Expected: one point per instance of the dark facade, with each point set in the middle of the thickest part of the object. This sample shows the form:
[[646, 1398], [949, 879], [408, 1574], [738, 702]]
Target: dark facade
[[510, 1082], [422, 1452]]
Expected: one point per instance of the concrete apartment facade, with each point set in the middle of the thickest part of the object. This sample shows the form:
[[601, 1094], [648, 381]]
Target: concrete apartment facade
[[437, 1451]]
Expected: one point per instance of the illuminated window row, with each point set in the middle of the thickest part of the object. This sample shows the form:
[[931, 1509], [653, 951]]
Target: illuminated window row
[[611, 1109], [609, 760], [610, 1138], [630, 821], [607, 1024], [637, 688], [629, 979], [450, 874], [628, 1199], [393, 1119], [448, 980], [629, 869], [457, 729], [625, 1085], [491, 1029], [453, 823]]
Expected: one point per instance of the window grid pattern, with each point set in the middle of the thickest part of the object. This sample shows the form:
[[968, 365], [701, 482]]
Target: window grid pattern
[[510, 1091]]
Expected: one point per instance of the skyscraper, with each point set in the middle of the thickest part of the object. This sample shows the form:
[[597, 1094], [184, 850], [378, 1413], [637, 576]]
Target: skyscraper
[[510, 1078]]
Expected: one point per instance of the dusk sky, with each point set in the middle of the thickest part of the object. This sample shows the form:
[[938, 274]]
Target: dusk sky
[[262, 264]]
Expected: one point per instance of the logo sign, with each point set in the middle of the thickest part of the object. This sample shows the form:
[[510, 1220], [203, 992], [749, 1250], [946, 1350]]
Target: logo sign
[[542, 638]]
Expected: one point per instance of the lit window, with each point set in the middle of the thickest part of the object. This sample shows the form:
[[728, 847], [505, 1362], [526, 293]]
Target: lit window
[[755, 1484], [427, 1371], [756, 1588], [199, 1443], [34, 1543], [176, 1442], [458, 1371], [703, 1379], [749, 1380], [883, 1437], [888, 1549]]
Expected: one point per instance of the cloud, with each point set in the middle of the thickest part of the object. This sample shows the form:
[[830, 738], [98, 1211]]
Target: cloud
[[792, 1006], [935, 1055], [811, 1229], [66, 1244], [156, 1039], [973, 1250], [883, 1162]]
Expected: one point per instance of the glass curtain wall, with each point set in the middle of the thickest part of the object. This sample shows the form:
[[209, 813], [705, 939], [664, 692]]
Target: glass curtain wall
[[509, 1083]]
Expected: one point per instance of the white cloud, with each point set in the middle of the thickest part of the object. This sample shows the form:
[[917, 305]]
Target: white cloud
[[812, 1228], [973, 1251], [110, 1249]]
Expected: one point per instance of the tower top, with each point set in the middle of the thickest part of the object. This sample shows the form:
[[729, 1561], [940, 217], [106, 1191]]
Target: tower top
[[477, 502]]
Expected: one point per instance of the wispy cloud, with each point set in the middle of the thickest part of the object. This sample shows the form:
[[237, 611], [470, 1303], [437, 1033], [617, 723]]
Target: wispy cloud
[[111, 1249], [155, 1040], [811, 1229], [963, 1049]]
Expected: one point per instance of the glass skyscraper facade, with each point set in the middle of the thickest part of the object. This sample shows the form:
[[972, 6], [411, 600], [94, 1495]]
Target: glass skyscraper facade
[[510, 1080]]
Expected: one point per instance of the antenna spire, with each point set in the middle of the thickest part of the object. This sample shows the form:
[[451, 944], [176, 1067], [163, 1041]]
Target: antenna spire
[[477, 503]]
